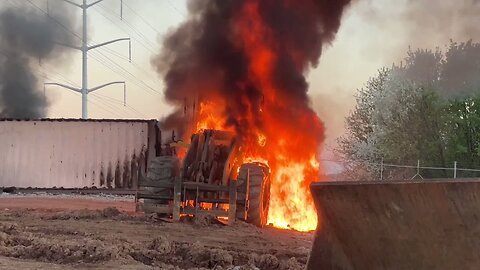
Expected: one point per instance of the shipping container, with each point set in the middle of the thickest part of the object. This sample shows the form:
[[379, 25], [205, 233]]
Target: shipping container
[[71, 153]]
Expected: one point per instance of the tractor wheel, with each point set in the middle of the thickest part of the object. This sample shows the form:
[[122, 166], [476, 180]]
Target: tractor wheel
[[162, 169], [259, 193]]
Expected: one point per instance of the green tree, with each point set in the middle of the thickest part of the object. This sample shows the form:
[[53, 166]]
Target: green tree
[[460, 72], [463, 132], [427, 108], [396, 120]]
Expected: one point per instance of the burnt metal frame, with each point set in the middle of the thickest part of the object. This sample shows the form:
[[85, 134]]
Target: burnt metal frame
[[174, 205]]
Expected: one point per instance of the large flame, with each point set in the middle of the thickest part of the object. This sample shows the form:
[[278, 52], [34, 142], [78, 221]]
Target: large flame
[[292, 162], [210, 117], [244, 63], [288, 147]]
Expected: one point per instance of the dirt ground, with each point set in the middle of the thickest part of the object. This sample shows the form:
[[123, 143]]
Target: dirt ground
[[76, 233]]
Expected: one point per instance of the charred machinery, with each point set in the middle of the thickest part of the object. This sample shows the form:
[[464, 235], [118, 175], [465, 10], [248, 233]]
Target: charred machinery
[[210, 178]]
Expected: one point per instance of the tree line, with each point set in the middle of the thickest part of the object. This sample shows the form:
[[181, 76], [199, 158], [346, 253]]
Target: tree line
[[426, 108]]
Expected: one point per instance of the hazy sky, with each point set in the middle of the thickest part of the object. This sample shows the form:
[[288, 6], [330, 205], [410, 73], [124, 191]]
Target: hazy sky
[[377, 33], [374, 33]]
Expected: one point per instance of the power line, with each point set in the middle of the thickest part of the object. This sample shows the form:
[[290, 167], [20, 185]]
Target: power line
[[112, 109], [133, 62], [62, 76], [111, 65], [124, 71], [116, 54], [120, 69], [138, 32], [118, 103], [45, 76], [146, 46], [110, 100], [176, 9], [55, 20], [141, 18], [85, 49]]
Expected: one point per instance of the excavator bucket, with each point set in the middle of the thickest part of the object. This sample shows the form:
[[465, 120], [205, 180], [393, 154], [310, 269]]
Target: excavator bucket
[[433, 224]]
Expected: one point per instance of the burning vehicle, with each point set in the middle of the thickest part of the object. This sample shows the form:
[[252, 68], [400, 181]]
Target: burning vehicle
[[240, 66], [233, 177], [212, 177]]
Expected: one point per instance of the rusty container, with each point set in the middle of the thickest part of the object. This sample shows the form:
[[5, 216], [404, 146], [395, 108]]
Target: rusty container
[[431, 224]]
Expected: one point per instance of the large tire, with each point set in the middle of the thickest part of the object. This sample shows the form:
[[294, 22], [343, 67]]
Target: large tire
[[162, 169], [259, 192], [163, 166]]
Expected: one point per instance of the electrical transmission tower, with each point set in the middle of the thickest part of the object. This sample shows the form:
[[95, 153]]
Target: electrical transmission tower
[[85, 49]]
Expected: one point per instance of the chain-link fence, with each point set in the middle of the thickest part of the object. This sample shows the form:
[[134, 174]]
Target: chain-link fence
[[382, 171]]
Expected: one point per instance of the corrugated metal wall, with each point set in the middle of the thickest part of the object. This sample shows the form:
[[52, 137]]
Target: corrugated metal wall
[[72, 154]]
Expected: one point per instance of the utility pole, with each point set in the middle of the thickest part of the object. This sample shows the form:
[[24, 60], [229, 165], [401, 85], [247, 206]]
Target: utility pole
[[85, 49]]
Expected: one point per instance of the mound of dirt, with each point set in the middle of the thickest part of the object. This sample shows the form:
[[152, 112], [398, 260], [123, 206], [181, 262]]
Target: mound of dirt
[[201, 220], [106, 237], [292, 264], [77, 215], [266, 261], [161, 251], [207, 257], [111, 212], [161, 245], [18, 244]]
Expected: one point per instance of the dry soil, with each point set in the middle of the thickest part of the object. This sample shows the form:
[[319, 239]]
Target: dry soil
[[76, 233]]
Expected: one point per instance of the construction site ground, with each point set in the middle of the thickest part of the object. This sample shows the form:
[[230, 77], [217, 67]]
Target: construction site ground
[[95, 232]]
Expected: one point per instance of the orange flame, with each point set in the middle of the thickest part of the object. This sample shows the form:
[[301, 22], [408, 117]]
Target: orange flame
[[209, 117], [293, 167], [287, 146]]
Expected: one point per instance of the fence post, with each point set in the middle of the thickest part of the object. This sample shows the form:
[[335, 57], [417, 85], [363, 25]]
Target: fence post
[[232, 202], [381, 170], [418, 167], [177, 196], [418, 171], [455, 170]]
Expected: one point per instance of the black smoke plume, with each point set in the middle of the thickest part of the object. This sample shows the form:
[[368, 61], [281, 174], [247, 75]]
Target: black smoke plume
[[204, 58], [27, 37]]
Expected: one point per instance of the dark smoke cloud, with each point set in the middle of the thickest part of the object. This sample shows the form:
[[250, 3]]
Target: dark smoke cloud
[[204, 59], [28, 36]]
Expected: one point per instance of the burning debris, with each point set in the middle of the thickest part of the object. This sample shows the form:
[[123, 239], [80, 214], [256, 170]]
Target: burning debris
[[240, 65], [26, 36]]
